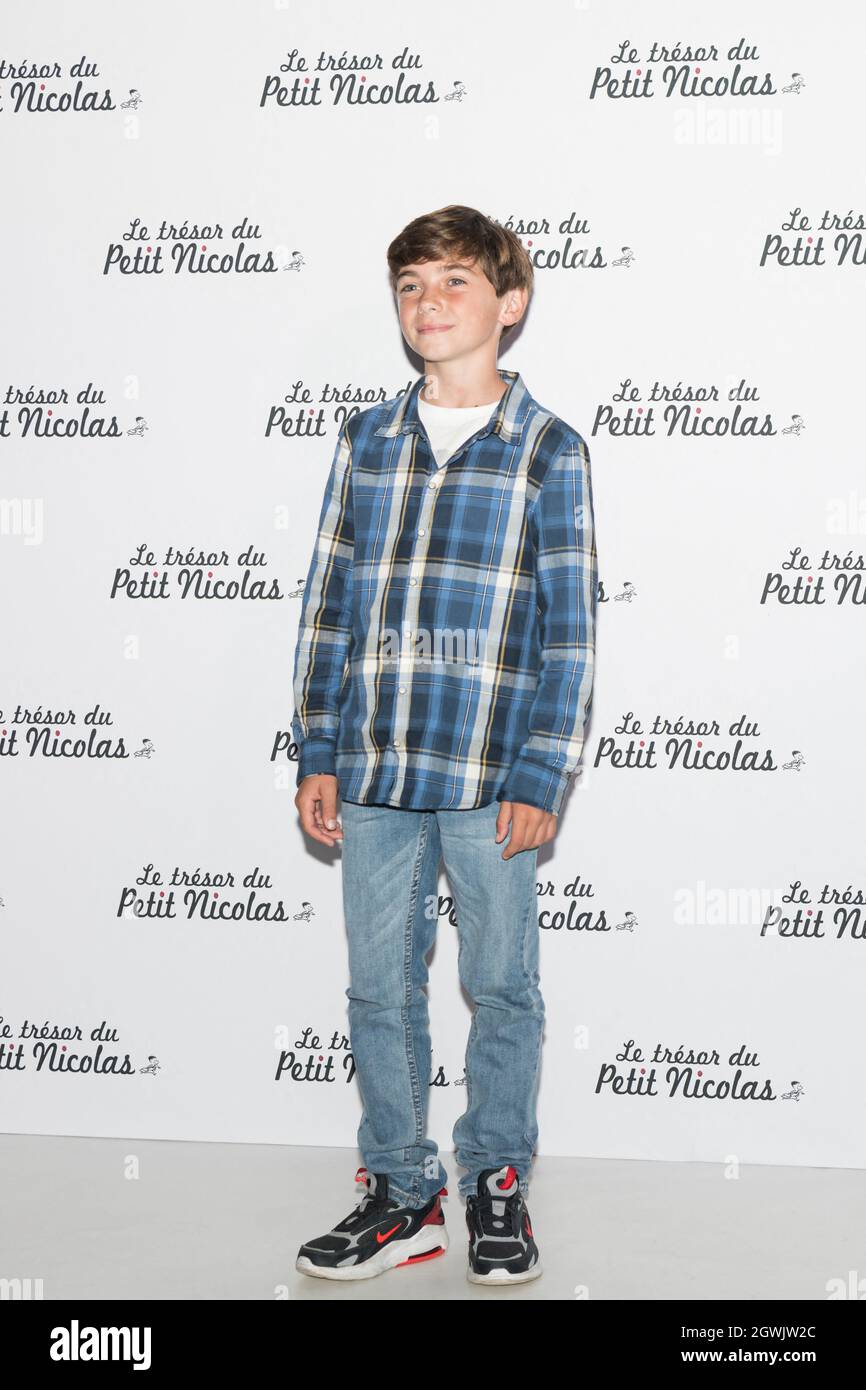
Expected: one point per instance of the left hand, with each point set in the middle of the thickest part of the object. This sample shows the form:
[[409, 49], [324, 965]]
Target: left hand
[[530, 827]]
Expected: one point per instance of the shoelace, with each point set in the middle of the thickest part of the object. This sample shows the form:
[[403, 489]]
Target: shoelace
[[498, 1216]]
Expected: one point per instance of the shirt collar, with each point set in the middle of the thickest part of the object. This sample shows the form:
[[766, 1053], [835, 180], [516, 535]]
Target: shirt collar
[[507, 419]]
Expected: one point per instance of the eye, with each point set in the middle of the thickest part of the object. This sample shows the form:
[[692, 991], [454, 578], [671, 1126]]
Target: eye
[[411, 285]]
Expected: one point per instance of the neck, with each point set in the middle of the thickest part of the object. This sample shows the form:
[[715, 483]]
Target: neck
[[450, 385]]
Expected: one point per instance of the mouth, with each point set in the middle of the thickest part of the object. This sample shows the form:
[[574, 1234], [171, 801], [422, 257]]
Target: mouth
[[435, 328]]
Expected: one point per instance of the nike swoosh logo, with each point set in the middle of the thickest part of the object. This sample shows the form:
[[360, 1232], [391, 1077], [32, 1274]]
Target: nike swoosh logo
[[380, 1237]]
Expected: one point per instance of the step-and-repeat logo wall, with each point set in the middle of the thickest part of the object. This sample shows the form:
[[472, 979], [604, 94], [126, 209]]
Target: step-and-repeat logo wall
[[195, 296]]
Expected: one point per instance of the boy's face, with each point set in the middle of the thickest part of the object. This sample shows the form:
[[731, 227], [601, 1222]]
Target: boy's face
[[449, 308]]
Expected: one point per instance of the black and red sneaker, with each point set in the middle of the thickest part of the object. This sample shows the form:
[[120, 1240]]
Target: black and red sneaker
[[502, 1249], [379, 1234]]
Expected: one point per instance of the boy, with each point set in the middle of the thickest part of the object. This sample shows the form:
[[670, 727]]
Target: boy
[[460, 508]]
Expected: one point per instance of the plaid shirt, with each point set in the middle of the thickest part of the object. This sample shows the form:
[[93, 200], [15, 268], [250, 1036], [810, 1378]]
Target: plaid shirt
[[445, 647]]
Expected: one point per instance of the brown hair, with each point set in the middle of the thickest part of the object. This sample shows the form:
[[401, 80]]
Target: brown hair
[[464, 232]]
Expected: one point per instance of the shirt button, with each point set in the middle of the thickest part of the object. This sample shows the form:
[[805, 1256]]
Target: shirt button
[[422, 532], [413, 581], [402, 690], [396, 743]]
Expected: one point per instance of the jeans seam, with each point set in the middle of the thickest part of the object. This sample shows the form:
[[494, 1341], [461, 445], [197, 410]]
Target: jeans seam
[[534, 983], [408, 943]]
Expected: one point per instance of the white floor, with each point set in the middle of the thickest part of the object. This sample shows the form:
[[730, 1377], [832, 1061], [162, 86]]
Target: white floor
[[224, 1221]]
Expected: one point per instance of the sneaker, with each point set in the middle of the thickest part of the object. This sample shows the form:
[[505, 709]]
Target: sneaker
[[379, 1234], [501, 1245]]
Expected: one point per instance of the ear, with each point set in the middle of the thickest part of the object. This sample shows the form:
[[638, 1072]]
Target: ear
[[515, 305]]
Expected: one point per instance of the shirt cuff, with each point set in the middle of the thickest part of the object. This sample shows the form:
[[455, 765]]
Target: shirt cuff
[[316, 755], [535, 784]]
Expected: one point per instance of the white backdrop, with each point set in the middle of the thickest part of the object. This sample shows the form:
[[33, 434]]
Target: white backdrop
[[146, 702]]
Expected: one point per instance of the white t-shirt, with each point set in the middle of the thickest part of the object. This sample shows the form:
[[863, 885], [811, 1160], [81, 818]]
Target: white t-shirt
[[450, 426]]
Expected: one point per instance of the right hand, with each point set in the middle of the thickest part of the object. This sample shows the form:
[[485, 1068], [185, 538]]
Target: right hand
[[317, 804]]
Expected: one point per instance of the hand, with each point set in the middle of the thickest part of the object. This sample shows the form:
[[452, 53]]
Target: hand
[[530, 826], [317, 806]]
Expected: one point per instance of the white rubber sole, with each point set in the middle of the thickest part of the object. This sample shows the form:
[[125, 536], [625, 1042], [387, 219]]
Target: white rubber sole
[[502, 1276], [398, 1252]]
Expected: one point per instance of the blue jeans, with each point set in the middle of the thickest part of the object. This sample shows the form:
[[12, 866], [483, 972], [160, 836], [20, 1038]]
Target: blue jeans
[[390, 898]]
